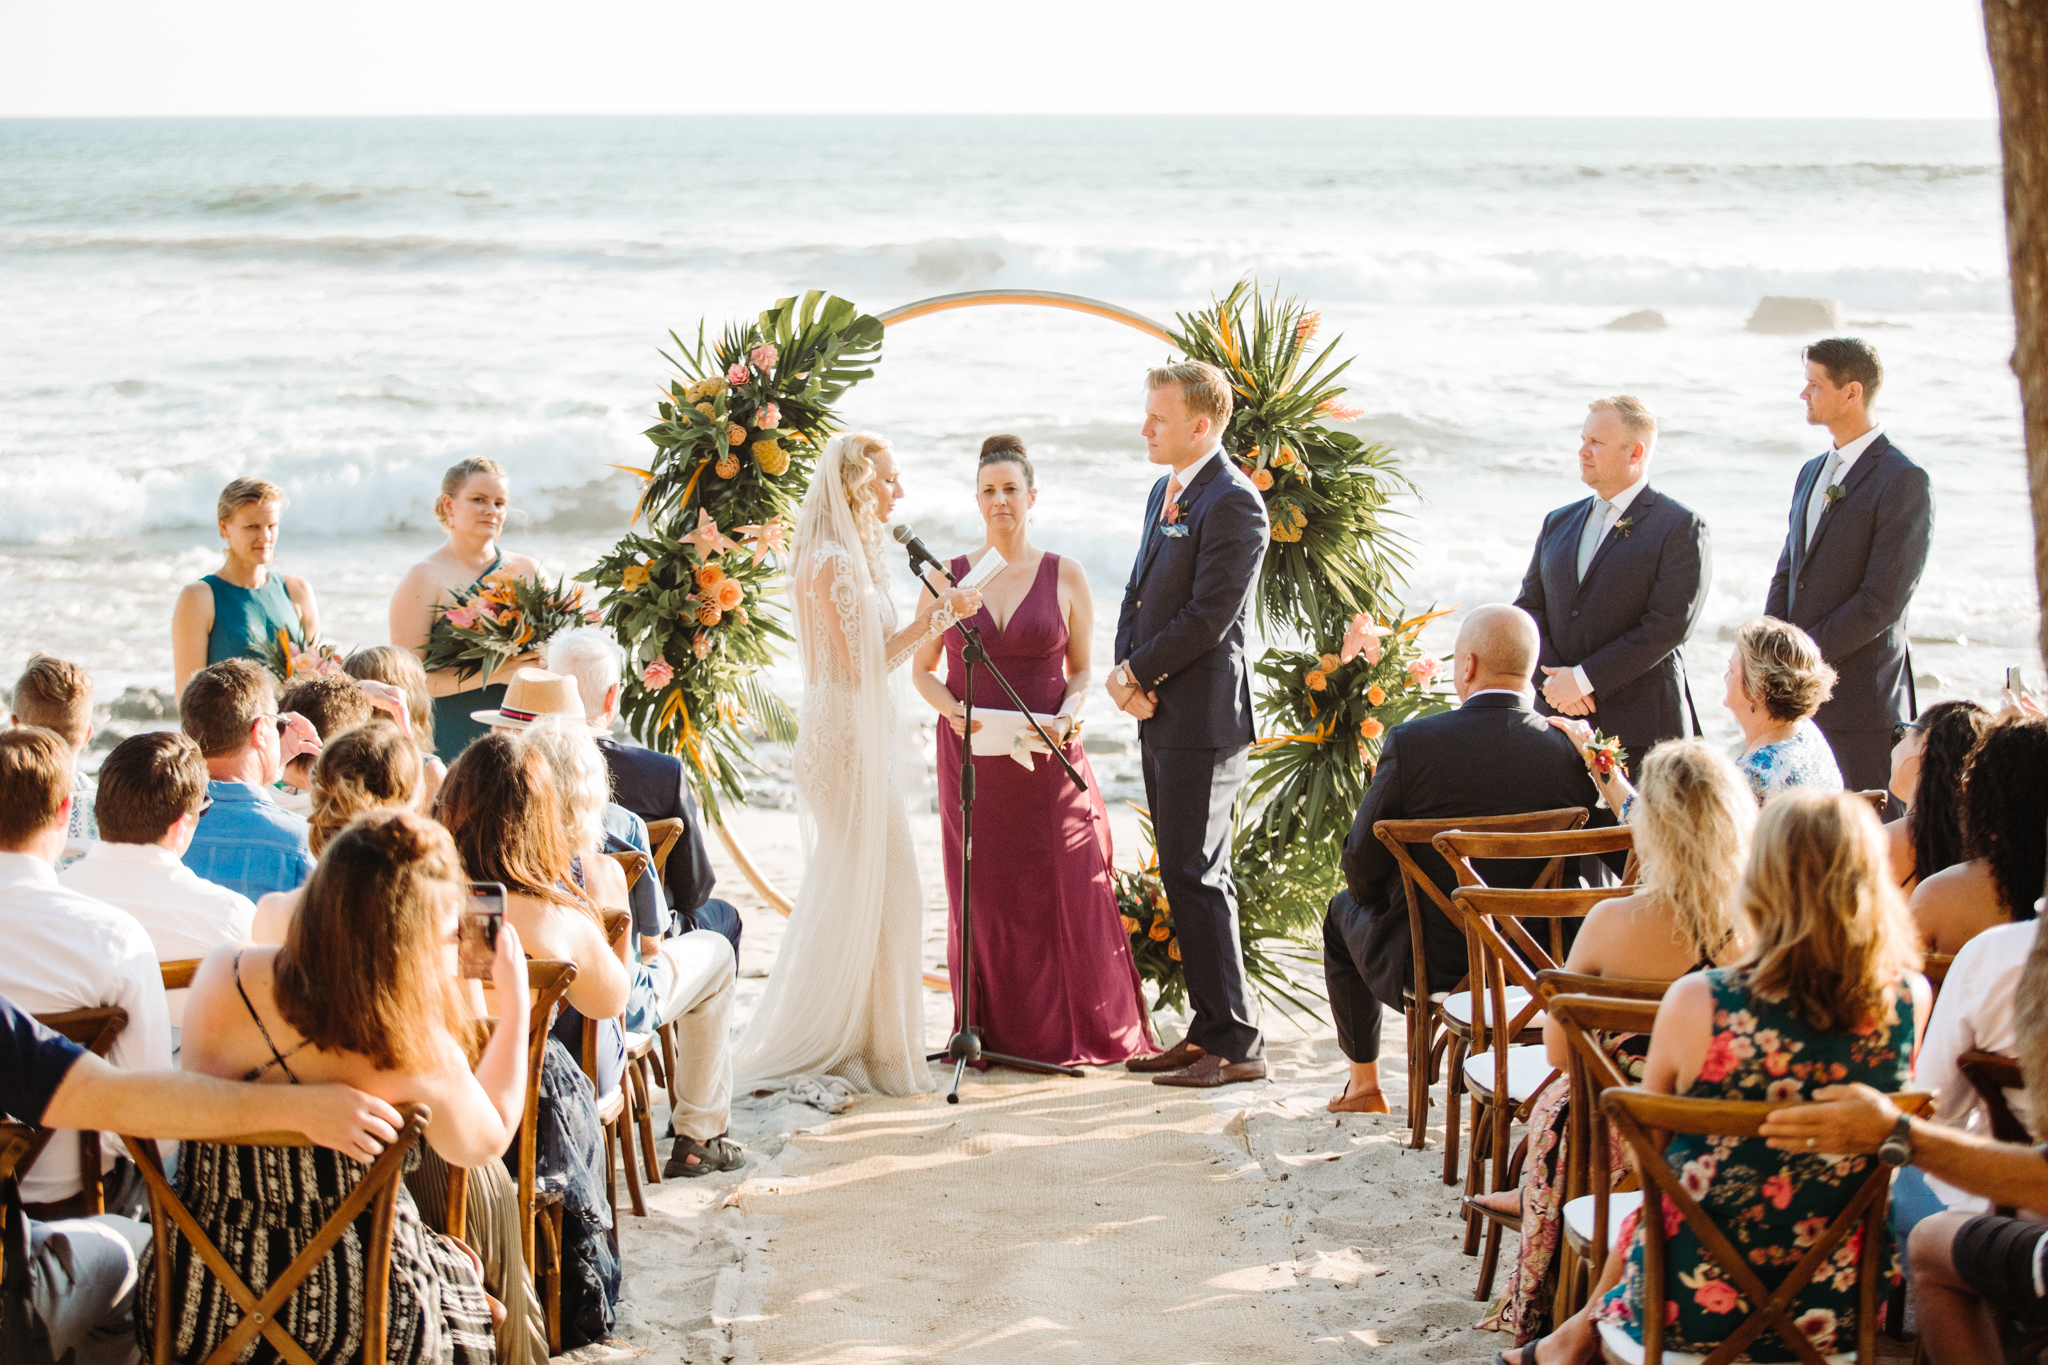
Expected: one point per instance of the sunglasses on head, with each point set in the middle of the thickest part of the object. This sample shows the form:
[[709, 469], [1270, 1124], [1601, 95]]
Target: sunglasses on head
[[1904, 728]]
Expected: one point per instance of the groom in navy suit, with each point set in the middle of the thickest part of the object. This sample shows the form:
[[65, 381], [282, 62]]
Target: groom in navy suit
[[1855, 546], [1615, 585], [1183, 672]]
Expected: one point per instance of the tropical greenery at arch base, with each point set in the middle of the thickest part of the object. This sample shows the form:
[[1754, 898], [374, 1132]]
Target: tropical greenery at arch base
[[694, 598]]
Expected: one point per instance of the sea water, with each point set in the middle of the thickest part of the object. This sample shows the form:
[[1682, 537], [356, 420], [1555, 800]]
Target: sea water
[[347, 307]]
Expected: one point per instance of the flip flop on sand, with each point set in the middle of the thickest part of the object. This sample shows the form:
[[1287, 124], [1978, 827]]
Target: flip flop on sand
[[1364, 1102]]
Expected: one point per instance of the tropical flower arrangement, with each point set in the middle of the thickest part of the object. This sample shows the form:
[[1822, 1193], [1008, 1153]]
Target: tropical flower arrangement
[[498, 619], [694, 598], [287, 661]]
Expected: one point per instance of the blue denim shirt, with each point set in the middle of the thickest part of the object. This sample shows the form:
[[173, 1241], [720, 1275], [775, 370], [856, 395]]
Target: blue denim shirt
[[249, 843]]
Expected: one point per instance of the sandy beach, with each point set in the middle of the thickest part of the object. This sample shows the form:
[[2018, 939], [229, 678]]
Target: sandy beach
[[1043, 1218]]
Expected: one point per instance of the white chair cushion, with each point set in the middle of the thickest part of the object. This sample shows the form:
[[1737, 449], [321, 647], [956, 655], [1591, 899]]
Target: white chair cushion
[[1621, 1346], [636, 1041], [1458, 1006], [1578, 1216], [1528, 1068]]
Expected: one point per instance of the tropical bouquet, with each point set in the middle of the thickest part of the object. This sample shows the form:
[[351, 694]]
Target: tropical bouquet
[[287, 661], [499, 618], [694, 598]]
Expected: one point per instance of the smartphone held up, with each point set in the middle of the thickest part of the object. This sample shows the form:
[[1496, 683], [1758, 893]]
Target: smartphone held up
[[481, 919]]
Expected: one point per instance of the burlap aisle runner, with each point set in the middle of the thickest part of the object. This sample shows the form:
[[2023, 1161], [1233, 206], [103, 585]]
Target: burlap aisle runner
[[1041, 1218]]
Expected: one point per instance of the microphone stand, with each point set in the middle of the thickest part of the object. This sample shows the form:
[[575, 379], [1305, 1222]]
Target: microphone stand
[[965, 1044]]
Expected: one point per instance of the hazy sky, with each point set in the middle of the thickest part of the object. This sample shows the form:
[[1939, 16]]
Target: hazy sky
[[1780, 58]]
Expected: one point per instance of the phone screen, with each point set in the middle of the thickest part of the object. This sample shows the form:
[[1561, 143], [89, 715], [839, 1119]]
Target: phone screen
[[480, 921], [2015, 682]]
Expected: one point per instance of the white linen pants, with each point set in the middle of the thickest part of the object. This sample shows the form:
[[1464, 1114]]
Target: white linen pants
[[693, 989]]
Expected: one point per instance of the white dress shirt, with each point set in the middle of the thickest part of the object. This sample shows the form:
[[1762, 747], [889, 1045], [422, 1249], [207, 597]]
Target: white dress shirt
[[1835, 471], [1617, 508], [1187, 476], [184, 915], [1974, 1013], [67, 951]]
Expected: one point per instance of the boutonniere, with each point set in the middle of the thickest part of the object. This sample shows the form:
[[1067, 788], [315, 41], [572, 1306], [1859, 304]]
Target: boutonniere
[[1624, 526], [1173, 514], [1836, 493], [1604, 753]]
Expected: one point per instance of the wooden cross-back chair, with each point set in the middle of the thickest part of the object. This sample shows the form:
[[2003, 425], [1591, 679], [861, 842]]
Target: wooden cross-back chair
[[1934, 966], [96, 1030], [664, 836], [617, 1111], [1505, 1077], [1638, 1115], [641, 1059], [1590, 1204], [377, 1193], [178, 974], [1433, 1033], [1994, 1073], [15, 1140], [540, 1211]]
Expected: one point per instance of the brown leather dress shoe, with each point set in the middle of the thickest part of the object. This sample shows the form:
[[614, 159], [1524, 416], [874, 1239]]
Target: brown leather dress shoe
[[1173, 1059], [1210, 1072]]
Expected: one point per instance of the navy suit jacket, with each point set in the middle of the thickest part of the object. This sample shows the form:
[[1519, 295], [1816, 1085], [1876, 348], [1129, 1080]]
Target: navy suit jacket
[[1187, 608], [1849, 590], [1628, 621], [650, 785], [1491, 756]]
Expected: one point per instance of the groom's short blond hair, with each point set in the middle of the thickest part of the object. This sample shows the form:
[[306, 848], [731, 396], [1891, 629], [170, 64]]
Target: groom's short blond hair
[[1202, 387]]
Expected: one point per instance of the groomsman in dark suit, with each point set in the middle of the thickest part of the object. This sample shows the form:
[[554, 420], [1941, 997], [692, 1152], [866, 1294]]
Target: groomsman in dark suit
[[1615, 585], [1183, 671], [1855, 546]]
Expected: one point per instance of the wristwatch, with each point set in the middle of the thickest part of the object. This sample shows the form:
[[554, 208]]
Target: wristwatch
[[1123, 676], [1897, 1148]]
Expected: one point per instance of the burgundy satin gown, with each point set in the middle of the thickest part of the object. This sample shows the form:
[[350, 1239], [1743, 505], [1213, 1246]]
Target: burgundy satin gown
[[1053, 976]]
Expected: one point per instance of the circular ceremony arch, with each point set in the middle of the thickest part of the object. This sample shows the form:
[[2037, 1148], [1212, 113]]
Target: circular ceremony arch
[[946, 303]]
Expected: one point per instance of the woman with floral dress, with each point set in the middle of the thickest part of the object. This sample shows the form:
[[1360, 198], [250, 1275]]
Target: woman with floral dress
[[1828, 994]]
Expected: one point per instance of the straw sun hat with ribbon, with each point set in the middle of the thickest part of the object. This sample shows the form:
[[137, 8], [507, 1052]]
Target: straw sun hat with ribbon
[[533, 693]]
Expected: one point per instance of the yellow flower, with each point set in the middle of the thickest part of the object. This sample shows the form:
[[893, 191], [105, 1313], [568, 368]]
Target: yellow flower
[[1375, 694], [706, 409], [1328, 663], [1173, 950], [1130, 926], [1159, 931], [1300, 518], [774, 459], [1371, 729], [1315, 680], [634, 577], [735, 434], [728, 466]]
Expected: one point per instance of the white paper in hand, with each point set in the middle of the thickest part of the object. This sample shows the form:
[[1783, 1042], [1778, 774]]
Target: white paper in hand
[[1006, 732], [991, 564]]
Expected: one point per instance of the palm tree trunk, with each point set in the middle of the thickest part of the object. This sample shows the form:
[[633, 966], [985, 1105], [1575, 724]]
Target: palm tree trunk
[[2017, 33]]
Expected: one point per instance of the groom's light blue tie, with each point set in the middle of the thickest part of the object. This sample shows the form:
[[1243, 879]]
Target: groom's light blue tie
[[1594, 532]]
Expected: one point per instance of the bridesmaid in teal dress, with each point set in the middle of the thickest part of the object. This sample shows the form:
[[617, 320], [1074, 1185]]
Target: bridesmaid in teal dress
[[236, 612], [475, 496]]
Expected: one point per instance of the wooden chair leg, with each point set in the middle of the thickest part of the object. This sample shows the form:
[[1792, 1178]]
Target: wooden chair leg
[[1476, 1162], [1454, 1091], [1489, 1262], [624, 1124], [548, 1273], [1421, 1054], [643, 1118]]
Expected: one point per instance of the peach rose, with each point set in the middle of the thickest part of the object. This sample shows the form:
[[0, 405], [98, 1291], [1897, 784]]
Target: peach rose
[[1328, 663], [1371, 728], [769, 417], [701, 646], [1130, 926], [1262, 479], [1159, 931], [1376, 694], [1315, 680], [1173, 949], [710, 576], [762, 357], [730, 595], [737, 375]]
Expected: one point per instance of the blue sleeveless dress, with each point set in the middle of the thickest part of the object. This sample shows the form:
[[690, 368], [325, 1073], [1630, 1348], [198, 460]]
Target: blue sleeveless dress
[[245, 620]]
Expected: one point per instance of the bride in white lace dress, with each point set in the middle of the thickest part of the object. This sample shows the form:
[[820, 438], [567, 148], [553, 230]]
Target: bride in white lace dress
[[845, 997]]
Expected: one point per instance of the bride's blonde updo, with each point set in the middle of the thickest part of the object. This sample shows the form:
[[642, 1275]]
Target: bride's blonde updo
[[857, 450]]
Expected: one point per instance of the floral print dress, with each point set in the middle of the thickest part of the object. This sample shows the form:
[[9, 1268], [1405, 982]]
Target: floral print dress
[[1805, 760], [1771, 1205]]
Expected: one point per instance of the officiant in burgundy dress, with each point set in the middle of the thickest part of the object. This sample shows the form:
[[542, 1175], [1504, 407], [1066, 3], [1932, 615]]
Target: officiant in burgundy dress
[[1053, 975]]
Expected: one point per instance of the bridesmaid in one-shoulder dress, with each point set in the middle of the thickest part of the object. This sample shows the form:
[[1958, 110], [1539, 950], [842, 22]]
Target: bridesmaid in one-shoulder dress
[[1053, 975]]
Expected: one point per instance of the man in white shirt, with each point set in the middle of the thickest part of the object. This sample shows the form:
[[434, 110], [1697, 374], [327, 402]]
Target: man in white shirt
[[1616, 583], [66, 951], [152, 792]]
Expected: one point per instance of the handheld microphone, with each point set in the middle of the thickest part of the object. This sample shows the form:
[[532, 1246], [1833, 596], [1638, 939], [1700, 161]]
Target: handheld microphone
[[907, 538]]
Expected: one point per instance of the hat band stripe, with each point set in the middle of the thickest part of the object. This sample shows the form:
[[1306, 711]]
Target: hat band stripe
[[509, 714]]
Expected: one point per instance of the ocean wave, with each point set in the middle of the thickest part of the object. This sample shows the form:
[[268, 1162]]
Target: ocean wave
[[255, 199]]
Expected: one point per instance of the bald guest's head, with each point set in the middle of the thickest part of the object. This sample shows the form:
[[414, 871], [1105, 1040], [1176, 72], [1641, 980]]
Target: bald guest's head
[[1496, 648]]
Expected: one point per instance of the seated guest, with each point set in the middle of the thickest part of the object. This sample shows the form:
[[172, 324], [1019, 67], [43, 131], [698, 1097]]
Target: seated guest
[[1827, 993], [1776, 681], [369, 767], [688, 978], [245, 840], [152, 791], [1930, 756], [1692, 820], [400, 668], [366, 991], [651, 785], [1492, 756], [500, 805], [57, 696], [1976, 1279], [2004, 808], [84, 1271], [330, 705], [66, 951]]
